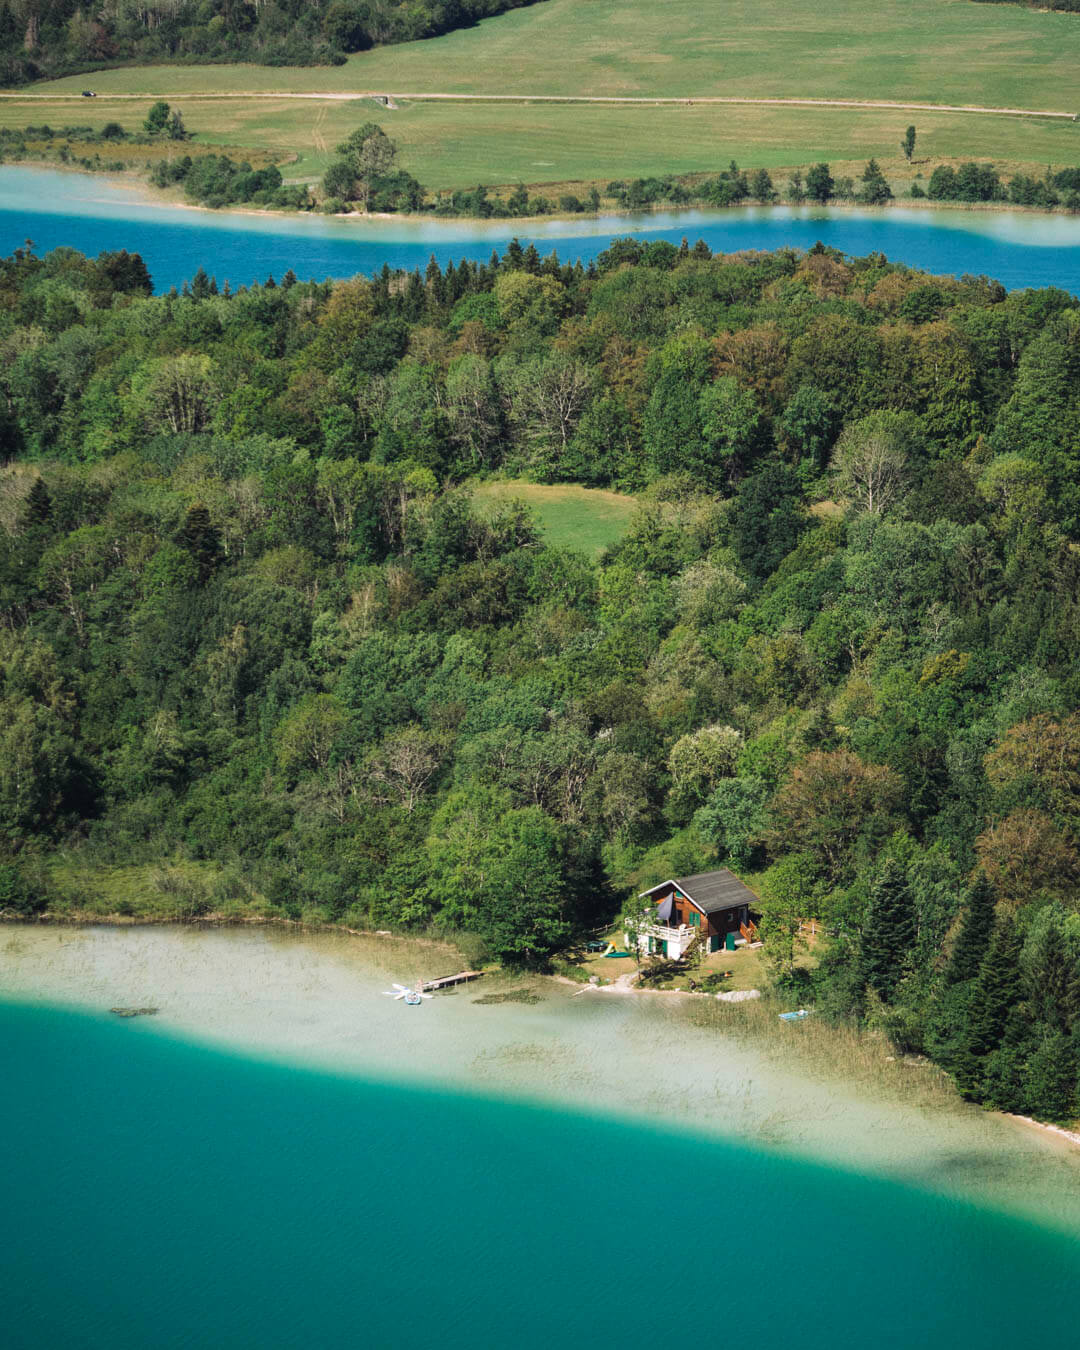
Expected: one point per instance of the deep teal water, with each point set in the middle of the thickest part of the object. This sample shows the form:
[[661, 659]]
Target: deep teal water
[[91, 214], [158, 1194]]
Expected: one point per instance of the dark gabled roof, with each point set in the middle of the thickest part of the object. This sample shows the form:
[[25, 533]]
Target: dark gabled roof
[[711, 891]]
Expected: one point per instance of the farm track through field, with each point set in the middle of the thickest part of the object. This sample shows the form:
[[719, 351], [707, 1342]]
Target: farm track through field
[[340, 97], [318, 139]]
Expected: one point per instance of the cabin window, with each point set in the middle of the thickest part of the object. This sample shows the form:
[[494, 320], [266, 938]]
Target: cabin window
[[695, 918]]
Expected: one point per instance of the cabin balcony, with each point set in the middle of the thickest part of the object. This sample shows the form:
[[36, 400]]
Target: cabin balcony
[[663, 940], [683, 933]]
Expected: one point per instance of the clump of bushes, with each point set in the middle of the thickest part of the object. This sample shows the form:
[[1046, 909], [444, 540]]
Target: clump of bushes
[[217, 181]]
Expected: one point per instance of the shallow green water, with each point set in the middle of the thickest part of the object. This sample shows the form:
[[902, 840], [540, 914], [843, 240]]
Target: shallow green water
[[161, 1194]]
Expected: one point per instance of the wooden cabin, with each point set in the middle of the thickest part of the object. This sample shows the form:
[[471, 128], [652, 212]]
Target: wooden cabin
[[711, 904]]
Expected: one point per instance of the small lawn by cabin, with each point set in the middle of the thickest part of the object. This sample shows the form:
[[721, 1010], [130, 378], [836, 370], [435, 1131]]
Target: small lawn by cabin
[[746, 965], [695, 932]]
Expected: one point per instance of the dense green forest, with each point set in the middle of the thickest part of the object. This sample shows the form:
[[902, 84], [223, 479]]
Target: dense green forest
[[41, 39], [254, 623], [1069, 6]]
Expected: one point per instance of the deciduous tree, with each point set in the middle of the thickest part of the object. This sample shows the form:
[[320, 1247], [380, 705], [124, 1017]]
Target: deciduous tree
[[819, 183], [1025, 854], [829, 800], [908, 143], [873, 460]]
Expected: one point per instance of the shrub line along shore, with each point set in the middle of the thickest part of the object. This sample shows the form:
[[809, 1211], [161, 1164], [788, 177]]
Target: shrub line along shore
[[144, 194]]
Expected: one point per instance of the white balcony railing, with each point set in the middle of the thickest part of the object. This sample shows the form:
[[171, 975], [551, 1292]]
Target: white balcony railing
[[671, 934]]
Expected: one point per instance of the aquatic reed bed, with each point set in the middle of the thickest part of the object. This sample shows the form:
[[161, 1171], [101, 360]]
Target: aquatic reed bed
[[825, 1049]]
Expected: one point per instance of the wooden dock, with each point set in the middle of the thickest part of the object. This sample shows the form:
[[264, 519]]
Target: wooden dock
[[445, 981]]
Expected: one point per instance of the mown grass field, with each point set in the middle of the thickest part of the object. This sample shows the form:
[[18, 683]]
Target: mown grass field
[[934, 51], [588, 519], [940, 51], [459, 145]]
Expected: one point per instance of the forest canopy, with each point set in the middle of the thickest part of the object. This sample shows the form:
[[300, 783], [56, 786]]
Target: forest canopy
[[255, 625]]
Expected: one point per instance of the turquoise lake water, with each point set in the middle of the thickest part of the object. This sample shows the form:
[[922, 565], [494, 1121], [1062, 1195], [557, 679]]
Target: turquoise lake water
[[93, 213], [159, 1194]]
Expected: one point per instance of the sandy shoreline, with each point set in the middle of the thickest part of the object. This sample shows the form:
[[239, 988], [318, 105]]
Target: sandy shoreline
[[1072, 1136], [143, 193]]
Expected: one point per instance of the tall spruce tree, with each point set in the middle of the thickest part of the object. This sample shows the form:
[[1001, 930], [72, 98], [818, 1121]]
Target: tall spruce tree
[[996, 992], [1050, 1086], [888, 932], [200, 538], [976, 930], [38, 504]]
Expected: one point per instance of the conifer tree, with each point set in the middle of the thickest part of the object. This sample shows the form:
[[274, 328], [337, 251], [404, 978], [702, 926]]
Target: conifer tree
[[889, 931], [451, 286], [875, 188], [1050, 1081], [1050, 969], [1002, 1080], [200, 538], [976, 929], [996, 991], [38, 504], [200, 284]]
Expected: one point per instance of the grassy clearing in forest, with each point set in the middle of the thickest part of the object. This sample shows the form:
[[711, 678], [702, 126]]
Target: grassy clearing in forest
[[586, 519]]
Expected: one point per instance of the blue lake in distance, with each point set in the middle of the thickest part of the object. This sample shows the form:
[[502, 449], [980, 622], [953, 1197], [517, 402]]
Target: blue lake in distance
[[159, 1194], [93, 213]]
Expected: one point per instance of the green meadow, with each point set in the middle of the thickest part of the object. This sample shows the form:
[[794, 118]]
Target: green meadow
[[451, 145], [935, 51]]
